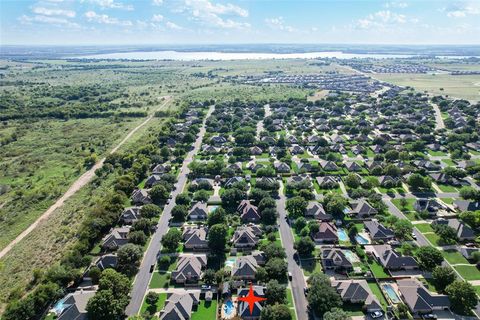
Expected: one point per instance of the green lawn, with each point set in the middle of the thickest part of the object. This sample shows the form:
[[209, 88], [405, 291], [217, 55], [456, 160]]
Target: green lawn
[[468, 272], [433, 238], [449, 162], [429, 284], [423, 227], [160, 279], [448, 200], [378, 293], [447, 188], [408, 207], [477, 288], [206, 310], [290, 304], [454, 257], [378, 271], [310, 266], [437, 153], [160, 303]]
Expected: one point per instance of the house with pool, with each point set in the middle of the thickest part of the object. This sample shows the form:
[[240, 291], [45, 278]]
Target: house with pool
[[419, 299], [73, 305], [357, 292], [390, 259]]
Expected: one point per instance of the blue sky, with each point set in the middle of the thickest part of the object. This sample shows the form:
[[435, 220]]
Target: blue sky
[[106, 22]]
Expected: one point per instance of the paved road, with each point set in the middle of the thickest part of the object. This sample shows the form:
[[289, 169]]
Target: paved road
[[142, 279], [77, 185], [438, 117], [298, 279]]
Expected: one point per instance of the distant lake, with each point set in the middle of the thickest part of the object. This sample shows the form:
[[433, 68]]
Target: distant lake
[[189, 56]]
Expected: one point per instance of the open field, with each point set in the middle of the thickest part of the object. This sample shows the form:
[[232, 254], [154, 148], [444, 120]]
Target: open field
[[462, 87]]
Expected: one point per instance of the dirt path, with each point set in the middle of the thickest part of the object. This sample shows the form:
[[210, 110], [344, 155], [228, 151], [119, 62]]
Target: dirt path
[[77, 185]]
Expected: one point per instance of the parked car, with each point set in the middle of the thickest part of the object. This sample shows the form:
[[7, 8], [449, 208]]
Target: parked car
[[414, 236], [290, 276], [376, 314], [206, 287], [152, 267]]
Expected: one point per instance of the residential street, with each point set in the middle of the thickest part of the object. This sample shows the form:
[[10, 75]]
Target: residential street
[[142, 279], [298, 279], [438, 117]]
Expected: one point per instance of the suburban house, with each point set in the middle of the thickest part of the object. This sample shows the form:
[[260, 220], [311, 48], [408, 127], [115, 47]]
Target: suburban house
[[107, 261], [335, 259], [153, 180], [281, 167], [244, 237], [179, 306], [468, 251], [256, 150], [357, 292], [245, 268], [378, 232], [74, 305], [140, 197], [418, 299], [195, 238], [199, 211], [248, 212], [353, 166], [243, 307], [327, 233], [466, 205], [463, 231], [130, 215], [202, 181], [388, 181], [315, 210], [390, 259], [362, 209], [232, 180], [327, 182], [116, 238], [161, 168], [431, 206], [189, 268], [328, 165]]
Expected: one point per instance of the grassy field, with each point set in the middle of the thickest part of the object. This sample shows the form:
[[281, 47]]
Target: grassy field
[[206, 310], [468, 272], [454, 257], [464, 87], [162, 297], [46, 158]]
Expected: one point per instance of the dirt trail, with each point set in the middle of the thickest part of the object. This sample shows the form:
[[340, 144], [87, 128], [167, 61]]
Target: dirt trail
[[77, 185]]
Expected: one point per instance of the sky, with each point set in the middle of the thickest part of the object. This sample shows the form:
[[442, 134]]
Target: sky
[[128, 22]]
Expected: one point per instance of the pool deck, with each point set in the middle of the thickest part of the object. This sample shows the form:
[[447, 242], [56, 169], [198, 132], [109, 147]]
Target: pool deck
[[234, 312]]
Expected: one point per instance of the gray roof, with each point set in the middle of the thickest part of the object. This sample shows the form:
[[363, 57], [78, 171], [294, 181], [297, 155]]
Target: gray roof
[[179, 306], [357, 291], [75, 305], [418, 298], [392, 260], [378, 231]]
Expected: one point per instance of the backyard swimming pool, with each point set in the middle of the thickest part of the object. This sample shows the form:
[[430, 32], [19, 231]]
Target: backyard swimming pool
[[352, 257], [228, 308], [212, 208], [392, 295], [230, 262], [361, 240], [342, 235]]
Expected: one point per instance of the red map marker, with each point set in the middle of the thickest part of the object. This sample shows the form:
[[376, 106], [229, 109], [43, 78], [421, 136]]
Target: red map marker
[[251, 299]]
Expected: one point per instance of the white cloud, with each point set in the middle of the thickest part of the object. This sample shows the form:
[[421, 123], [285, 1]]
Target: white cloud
[[210, 14], [278, 24], [157, 17], [157, 2], [462, 9], [111, 4], [395, 4], [173, 26], [53, 12], [24, 19], [105, 19], [383, 19]]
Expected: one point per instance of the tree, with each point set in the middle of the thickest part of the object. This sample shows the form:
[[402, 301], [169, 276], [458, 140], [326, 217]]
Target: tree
[[336, 314], [352, 181], [402, 310], [334, 203], [231, 197], [151, 299], [276, 312], [128, 258], [179, 213], [269, 216], [217, 216], [470, 193], [150, 211], [183, 199], [273, 250], [428, 258], [261, 275], [276, 292], [137, 237], [462, 296], [159, 193], [443, 276], [472, 218], [417, 181], [171, 240], [94, 273], [201, 195], [115, 282], [209, 276], [296, 207], [321, 296], [217, 236], [304, 246], [392, 155], [105, 306], [447, 234], [276, 268], [403, 229], [299, 223]]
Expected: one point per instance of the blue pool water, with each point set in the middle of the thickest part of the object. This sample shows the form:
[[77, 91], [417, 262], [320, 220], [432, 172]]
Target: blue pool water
[[342, 235], [212, 208], [391, 293], [360, 239], [230, 262], [352, 257], [228, 307]]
